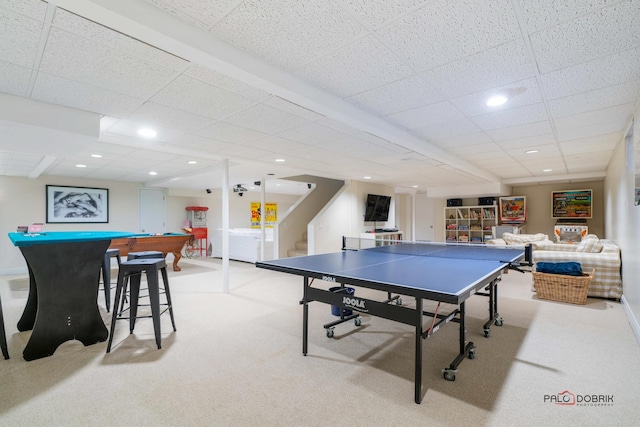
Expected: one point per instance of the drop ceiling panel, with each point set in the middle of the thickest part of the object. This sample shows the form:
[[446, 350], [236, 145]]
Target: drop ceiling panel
[[520, 131], [625, 93], [432, 35], [427, 115], [519, 94], [15, 79], [604, 121], [290, 107], [542, 14], [614, 28], [205, 12], [591, 144], [274, 145], [526, 143], [312, 133], [223, 81], [19, 38], [198, 97], [289, 32], [357, 67], [153, 114], [264, 118], [376, 14], [201, 143], [512, 117], [31, 8]]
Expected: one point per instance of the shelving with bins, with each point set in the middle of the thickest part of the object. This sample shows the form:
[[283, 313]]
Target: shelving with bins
[[469, 224], [383, 238]]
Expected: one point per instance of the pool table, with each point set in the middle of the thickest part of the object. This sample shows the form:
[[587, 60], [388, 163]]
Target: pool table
[[165, 243], [62, 305]]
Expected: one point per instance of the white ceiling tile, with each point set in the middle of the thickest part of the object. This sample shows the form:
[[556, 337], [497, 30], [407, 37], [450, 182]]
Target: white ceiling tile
[[274, 144], [284, 105], [198, 97], [433, 35], [19, 38], [593, 123], [401, 95], [596, 99], [604, 31], [85, 61], [606, 71], [524, 92], [521, 131], [264, 118], [130, 128], [152, 114], [288, 32], [512, 117], [58, 90], [226, 82], [478, 149], [580, 162], [230, 133], [541, 14], [376, 13], [427, 115], [545, 153], [527, 142], [591, 144], [201, 143], [490, 68], [312, 133], [34, 9], [338, 125], [15, 79], [357, 67], [205, 12], [74, 24]]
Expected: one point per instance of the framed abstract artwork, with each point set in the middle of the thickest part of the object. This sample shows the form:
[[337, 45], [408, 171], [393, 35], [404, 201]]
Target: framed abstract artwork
[[77, 204]]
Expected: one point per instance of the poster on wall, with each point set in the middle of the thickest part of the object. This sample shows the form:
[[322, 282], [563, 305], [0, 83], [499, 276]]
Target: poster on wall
[[77, 204], [571, 204], [513, 210], [270, 218]]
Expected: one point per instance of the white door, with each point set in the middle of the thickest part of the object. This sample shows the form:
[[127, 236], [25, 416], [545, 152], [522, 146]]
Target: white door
[[425, 217], [152, 210]]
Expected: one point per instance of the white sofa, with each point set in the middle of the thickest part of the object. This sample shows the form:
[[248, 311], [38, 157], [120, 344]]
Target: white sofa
[[244, 244], [602, 255]]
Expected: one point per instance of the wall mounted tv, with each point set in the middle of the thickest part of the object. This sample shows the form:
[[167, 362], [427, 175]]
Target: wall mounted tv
[[377, 209], [571, 204]]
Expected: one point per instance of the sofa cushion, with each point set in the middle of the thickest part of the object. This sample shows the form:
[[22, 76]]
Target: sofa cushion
[[590, 244], [565, 268], [521, 239]]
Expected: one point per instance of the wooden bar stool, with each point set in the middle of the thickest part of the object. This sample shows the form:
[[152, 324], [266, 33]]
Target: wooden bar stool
[[106, 274], [131, 272], [3, 337]]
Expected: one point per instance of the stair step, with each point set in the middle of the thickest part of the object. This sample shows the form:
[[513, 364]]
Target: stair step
[[296, 252], [301, 246]]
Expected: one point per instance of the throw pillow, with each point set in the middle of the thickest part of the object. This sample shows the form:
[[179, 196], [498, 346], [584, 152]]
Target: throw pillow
[[590, 244], [565, 268]]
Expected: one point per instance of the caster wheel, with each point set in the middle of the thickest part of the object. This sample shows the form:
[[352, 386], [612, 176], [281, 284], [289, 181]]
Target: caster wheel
[[357, 321], [449, 376], [498, 322], [486, 333], [399, 301], [329, 333]]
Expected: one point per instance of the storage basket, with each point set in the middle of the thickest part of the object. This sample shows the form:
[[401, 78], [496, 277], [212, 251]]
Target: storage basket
[[558, 287]]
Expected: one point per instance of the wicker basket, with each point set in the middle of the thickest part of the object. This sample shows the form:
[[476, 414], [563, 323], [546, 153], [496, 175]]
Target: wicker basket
[[558, 287]]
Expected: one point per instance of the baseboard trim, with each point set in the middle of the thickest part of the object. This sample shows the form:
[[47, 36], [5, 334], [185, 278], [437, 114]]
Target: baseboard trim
[[635, 326], [12, 271]]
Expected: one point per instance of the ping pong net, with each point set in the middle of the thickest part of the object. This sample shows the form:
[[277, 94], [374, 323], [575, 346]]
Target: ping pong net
[[433, 249]]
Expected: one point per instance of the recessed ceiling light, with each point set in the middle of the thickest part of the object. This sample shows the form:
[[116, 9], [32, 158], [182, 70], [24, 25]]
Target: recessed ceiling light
[[153, 173], [192, 162], [97, 156], [279, 160], [547, 170], [81, 166], [531, 151], [367, 177], [496, 100], [414, 186], [147, 132]]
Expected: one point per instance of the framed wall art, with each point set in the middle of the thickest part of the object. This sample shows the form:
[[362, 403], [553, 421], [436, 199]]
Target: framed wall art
[[77, 204]]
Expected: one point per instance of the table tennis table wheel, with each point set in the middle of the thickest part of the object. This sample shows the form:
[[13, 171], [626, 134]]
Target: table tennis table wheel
[[486, 333], [329, 332], [449, 374], [399, 301], [498, 321], [357, 321], [472, 353]]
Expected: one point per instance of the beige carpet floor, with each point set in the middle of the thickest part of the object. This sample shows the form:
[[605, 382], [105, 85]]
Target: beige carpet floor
[[236, 361]]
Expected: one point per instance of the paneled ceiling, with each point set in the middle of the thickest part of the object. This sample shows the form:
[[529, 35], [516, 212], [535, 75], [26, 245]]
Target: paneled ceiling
[[391, 90]]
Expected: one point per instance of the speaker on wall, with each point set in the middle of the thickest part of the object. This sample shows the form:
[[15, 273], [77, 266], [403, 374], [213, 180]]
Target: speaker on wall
[[454, 202], [486, 201]]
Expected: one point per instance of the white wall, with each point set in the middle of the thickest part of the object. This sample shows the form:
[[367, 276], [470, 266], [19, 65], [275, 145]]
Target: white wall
[[623, 220], [23, 202]]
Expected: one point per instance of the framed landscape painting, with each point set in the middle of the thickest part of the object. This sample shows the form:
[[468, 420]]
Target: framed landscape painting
[[77, 204]]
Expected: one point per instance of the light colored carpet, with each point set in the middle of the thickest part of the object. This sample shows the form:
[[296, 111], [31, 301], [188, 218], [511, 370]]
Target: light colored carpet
[[236, 361]]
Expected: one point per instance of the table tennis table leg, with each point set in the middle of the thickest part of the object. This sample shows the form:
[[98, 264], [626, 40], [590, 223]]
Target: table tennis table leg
[[305, 317], [466, 348], [418, 356], [494, 316]]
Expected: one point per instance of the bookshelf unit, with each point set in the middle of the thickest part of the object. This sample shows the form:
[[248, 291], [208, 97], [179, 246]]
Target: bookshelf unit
[[383, 238], [469, 224]]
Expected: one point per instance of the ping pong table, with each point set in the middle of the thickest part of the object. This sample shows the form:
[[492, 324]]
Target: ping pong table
[[444, 273]]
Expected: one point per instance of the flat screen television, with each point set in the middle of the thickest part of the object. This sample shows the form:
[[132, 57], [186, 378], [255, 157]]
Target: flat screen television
[[571, 204], [377, 209]]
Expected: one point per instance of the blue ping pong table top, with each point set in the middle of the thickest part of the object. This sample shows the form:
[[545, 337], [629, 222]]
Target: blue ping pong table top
[[417, 269]]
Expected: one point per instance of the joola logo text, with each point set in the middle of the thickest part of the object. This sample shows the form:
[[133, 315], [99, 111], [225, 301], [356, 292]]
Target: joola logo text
[[356, 304], [329, 279]]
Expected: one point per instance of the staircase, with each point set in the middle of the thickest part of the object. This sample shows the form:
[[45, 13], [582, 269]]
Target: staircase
[[300, 247]]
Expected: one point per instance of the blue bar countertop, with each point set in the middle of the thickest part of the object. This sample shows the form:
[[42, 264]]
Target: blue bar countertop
[[27, 239]]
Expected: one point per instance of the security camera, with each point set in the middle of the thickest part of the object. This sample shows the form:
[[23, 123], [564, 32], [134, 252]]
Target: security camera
[[208, 191], [238, 188], [257, 183], [309, 186], [240, 194]]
